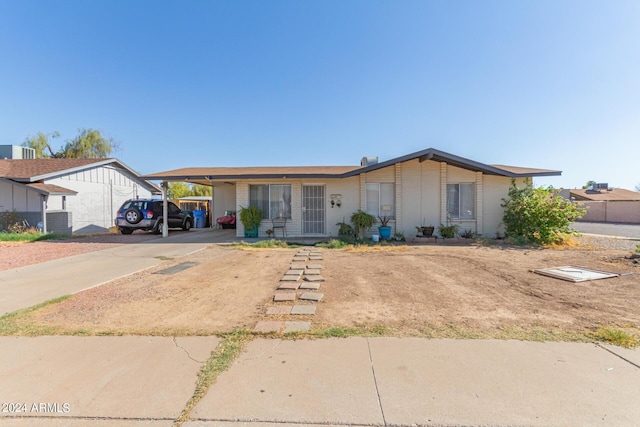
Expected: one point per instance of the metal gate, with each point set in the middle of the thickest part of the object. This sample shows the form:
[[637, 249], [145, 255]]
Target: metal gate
[[313, 209]]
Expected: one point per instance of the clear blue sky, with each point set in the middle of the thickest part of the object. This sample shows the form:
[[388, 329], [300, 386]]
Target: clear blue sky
[[543, 83]]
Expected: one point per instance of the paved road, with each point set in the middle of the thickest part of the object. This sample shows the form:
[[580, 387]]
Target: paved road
[[619, 230]]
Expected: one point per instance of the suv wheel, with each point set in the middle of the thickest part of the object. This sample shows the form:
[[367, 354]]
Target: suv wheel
[[158, 228], [187, 225], [133, 216]]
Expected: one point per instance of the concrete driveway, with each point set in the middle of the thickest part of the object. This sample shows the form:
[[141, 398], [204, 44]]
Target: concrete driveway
[[27, 286]]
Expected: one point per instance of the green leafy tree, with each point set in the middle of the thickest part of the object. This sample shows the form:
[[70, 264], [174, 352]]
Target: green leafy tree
[[538, 215], [41, 143], [178, 190], [201, 190], [89, 144], [588, 184]]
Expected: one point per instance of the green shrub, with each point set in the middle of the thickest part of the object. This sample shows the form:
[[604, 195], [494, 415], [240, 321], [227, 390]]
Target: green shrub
[[538, 215], [250, 217], [448, 231], [333, 244], [362, 221]]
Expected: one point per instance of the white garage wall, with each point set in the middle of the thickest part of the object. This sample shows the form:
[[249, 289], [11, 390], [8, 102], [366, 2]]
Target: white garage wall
[[101, 191]]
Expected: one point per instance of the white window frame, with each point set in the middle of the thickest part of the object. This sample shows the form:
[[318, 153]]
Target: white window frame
[[380, 211], [269, 214], [460, 202]]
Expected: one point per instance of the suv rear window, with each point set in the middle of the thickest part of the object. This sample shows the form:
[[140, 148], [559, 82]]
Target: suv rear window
[[139, 204]]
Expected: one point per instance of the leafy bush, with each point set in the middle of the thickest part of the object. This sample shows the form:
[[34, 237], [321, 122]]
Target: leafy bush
[[10, 222], [250, 217], [362, 221], [333, 244], [538, 215], [448, 231]]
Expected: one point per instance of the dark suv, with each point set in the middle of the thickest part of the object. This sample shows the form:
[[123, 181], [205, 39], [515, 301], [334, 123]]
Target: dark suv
[[146, 214]]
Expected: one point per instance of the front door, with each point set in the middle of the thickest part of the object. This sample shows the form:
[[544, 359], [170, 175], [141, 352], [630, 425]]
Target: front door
[[313, 209]]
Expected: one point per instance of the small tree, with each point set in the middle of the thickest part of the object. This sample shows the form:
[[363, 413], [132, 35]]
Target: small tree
[[538, 215], [362, 222], [41, 143]]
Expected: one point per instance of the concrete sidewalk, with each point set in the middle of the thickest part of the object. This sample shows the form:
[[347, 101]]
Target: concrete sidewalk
[[131, 381], [390, 381], [27, 286]]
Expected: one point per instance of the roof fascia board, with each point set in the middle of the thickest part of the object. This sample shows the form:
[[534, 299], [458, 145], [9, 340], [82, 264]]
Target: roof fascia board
[[240, 177]]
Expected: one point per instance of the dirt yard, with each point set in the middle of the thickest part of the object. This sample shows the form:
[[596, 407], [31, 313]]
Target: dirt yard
[[407, 289]]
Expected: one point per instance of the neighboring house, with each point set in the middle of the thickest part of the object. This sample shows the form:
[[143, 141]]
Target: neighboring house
[[69, 195], [423, 188], [608, 205]]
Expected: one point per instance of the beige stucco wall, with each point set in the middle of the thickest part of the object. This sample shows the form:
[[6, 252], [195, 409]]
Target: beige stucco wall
[[626, 211], [420, 198], [224, 199]]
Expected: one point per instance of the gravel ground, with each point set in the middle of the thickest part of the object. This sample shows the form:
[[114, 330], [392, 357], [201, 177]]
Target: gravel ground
[[609, 243], [20, 254]]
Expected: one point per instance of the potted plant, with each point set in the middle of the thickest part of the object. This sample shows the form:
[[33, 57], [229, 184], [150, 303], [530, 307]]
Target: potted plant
[[362, 222], [426, 231], [385, 229], [448, 231], [251, 218], [399, 237]]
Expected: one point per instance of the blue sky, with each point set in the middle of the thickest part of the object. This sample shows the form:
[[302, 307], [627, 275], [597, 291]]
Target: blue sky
[[547, 83]]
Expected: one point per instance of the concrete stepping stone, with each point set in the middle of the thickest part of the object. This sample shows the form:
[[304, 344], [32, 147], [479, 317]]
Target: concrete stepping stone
[[296, 272], [296, 267], [299, 258], [291, 286], [309, 286], [316, 278], [311, 296], [268, 326], [278, 309], [315, 258], [309, 272], [284, 296], [290, 278], [296, 327], [314, 266], [302, 253], [309, 310]]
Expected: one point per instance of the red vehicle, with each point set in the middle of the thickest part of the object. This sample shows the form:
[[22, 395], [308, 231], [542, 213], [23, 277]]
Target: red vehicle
[[228, 220]]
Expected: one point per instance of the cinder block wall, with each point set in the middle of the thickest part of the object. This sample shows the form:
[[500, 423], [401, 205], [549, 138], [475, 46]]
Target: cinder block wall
[[59, 222]]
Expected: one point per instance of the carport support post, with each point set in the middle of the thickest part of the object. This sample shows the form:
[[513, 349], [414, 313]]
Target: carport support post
[[165, 209], [43, 213]]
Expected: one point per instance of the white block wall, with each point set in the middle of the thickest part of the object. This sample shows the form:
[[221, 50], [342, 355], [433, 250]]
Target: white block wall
[[101, 191]]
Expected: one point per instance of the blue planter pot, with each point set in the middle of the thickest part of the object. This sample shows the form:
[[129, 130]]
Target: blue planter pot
[[251, 232], [385, 232]]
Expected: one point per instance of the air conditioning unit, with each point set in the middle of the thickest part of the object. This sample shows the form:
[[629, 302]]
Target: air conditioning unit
[[368, 161], [601, 186]]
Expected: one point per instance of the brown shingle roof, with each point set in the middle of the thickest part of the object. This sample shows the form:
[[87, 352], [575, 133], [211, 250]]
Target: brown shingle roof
[[617, 194], [258, 171], [52, 189], [27, 169]]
